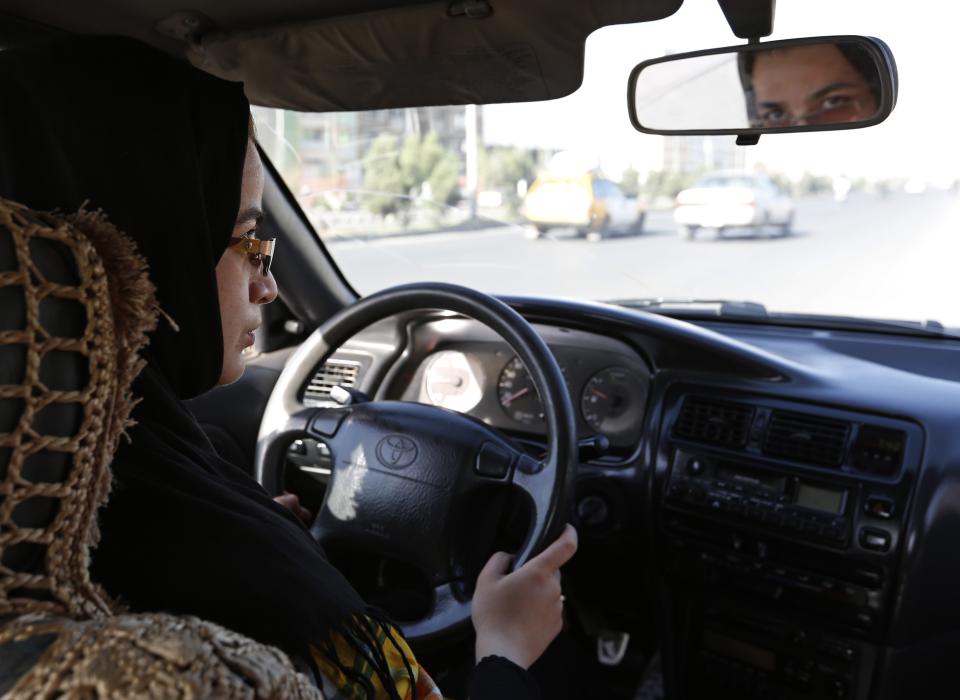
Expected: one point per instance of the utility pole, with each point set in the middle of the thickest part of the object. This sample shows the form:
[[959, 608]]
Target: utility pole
[[279, 117], [470, 147]]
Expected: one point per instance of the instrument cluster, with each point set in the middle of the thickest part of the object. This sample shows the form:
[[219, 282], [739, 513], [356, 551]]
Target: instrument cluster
[[609, 389]]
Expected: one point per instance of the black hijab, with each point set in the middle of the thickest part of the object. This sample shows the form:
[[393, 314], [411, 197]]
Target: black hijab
[[159, 146]]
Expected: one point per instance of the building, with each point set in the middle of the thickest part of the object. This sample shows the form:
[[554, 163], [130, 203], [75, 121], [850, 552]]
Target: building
[[449, 123], [324, 151], [694, 154]]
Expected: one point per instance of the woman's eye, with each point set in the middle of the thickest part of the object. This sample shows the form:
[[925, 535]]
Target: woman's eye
[[773, 115], [835, 102]]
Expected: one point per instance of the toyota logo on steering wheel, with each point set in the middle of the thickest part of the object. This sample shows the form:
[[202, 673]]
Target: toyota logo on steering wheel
[[396, 451]]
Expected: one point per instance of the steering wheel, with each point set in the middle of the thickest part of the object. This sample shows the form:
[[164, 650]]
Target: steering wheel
[[401, 470]]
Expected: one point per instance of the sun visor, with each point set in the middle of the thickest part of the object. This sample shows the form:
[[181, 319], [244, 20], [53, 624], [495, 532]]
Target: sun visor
[[419, 55]]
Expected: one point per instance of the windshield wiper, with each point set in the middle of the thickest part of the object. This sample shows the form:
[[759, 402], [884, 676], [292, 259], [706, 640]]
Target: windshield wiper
[[754, 311]]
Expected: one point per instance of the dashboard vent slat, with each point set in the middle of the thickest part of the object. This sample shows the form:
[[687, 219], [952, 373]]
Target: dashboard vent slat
[[805, 438], [333, 373], [714, 422]]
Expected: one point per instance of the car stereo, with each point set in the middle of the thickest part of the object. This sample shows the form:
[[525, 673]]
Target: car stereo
[[780, 529], [808, 556], [810, 509]]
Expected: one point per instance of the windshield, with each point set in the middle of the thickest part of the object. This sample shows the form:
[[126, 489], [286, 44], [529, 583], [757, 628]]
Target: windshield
[[564, 198]]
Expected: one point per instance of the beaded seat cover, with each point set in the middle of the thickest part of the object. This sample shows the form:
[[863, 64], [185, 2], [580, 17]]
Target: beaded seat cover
[[76, 306]]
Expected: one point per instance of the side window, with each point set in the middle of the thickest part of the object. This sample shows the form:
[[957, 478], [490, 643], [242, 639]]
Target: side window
[[605, 188]]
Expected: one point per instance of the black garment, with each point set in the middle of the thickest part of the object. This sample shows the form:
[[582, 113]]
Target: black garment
[[497, 677], [156, 144], [159, 146]]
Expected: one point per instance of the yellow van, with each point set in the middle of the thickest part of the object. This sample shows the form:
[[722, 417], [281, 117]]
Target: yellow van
[[595, 207]]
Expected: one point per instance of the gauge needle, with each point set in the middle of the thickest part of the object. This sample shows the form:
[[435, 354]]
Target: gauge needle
[[507, 400], [599, 393]]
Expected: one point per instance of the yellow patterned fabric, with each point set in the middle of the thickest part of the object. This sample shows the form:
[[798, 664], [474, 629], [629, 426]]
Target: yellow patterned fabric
[[342, 681]]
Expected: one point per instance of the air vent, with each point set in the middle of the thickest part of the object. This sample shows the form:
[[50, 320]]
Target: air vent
[[332, 373], [806, 438], [714, 422]]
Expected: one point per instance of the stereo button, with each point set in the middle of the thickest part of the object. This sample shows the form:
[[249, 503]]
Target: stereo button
[[833, 533], [879, 507], [872, 578], [716, 501], [875, 540], [838, 688]]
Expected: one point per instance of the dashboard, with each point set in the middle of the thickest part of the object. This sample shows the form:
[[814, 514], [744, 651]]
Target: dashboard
[[782, 503]]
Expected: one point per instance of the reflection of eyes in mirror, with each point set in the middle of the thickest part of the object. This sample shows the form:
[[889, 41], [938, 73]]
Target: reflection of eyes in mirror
[[782, 85], [809, 85]]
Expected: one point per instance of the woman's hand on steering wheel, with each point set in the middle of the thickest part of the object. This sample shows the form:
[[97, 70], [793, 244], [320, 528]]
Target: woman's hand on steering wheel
[[517, 615], [291, 502]]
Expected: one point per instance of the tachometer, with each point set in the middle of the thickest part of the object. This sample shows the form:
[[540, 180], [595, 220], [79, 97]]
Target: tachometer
[[613, 400], [518, 397]]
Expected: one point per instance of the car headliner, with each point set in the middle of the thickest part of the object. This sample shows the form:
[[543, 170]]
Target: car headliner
[[327, 55]]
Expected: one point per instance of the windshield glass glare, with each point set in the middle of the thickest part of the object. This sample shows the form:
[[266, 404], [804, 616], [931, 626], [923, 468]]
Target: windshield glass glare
[[564, 198]]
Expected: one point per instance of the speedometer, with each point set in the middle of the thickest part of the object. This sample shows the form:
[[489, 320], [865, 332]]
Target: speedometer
[[518, 397], [517, 394], [613, 400]]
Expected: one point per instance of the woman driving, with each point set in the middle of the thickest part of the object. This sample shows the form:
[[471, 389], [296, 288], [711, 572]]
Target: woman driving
[[167, 152]]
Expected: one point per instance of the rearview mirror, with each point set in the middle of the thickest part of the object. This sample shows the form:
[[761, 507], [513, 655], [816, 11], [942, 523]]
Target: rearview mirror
[[812, 84]]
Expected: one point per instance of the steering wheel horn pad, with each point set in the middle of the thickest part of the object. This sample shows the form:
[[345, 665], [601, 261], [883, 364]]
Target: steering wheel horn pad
[[402, 470]]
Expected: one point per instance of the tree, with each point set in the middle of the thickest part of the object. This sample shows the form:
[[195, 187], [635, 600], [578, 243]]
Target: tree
[[426, 161], [668, 183], [444, 179], [419, 157], [630, 182], [781, 181], [503, 168], [402, 171], [814, 184], [383, 177]]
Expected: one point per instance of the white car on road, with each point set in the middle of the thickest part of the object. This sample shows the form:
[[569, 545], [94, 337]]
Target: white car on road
[[726, 200]]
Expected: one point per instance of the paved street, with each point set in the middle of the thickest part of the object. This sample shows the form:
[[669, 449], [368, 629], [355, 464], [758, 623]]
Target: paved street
[[893, 257]]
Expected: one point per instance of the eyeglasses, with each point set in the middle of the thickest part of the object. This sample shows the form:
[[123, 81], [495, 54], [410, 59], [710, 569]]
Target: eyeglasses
[[259, 251]]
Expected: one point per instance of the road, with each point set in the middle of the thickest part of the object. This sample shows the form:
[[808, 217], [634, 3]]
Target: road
[[893, 257]]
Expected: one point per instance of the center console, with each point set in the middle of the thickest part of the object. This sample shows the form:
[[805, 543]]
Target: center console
[[781, 527]]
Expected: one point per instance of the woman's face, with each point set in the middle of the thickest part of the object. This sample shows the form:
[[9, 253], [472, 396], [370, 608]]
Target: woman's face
[[241, 286], [813, 84]]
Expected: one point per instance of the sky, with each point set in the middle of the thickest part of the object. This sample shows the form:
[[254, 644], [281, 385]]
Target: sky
[[919, 138]]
